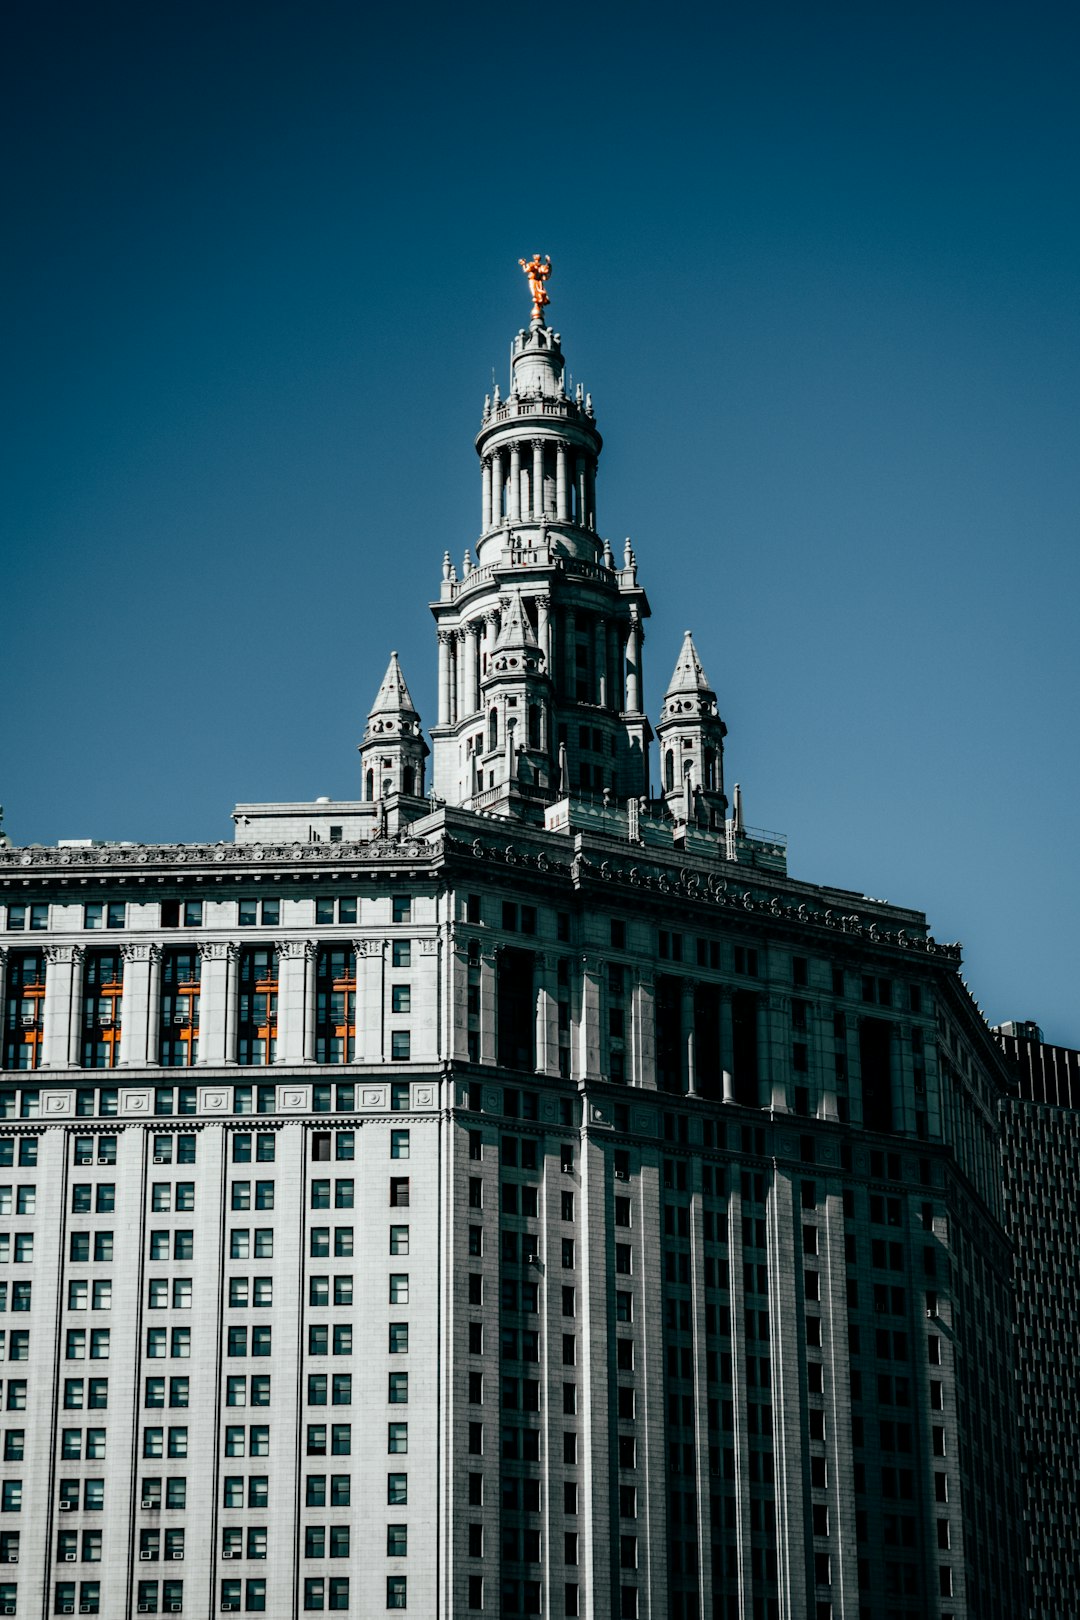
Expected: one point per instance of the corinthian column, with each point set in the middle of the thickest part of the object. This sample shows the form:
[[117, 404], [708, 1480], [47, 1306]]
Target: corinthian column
[[515, 483], [562, 492], [485, 494], [538, 479]]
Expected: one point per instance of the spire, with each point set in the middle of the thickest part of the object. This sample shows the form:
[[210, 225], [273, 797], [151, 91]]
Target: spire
[[516, 631], [393, 750], [688, 675], [393, 696]]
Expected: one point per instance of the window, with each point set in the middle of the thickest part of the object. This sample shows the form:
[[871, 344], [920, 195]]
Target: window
[[399, 1240], [401, 908], [397, 1489], [396, 1597], [400, 998], [399, 1144], [401, 953], [397, 1438], [400, 1049], [399, 1192], [399, 1338], [398, 1390]]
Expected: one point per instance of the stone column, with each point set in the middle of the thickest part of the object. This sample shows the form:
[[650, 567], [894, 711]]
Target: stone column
[[485, 494], [601, 663], [547, 1016], [616, 685], [444, 677], [3, 1000], [455, 1041], [538, 479], [292, 999], [515, 483], [424, 1019], [543, 628], [213, 995], [370, 999], [569, 682], [471, 696], [140, 1008], [462, 706], [590, 493], [588, 1031], [580, 488], [497, 480], [311, 952], [562, 492], [488, 980], [643, 1032], [727, 1060], [633, 664], [63, 1006], [688, 1035]]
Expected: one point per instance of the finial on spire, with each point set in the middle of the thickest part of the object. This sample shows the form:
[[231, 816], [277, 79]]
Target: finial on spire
[[537, 270]]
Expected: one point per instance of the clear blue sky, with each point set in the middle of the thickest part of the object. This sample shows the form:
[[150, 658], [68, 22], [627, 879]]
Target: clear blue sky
[[818, 266]]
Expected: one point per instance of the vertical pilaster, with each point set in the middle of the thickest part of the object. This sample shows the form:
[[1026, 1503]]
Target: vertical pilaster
[[515, 483], [727, 1059], [579, 490], [601, 663], [63, 1004], [424, 1019], [462, 705], [590, 494], [232, 1000], [569, 680], [778, 1038]]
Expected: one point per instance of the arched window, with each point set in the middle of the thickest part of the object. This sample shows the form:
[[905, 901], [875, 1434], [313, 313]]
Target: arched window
[[493, 730], [669, 770], [369, 786]]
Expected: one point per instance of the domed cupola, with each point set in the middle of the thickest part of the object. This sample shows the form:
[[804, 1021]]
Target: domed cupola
[[538, 449]]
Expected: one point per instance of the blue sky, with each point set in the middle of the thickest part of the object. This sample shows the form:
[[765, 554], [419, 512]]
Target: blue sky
[[818, 267]]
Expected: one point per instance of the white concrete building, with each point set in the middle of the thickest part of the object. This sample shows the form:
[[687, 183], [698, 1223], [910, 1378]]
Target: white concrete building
[[526, 1199]]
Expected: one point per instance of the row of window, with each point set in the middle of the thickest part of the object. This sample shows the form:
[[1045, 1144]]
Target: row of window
[[250, 913]]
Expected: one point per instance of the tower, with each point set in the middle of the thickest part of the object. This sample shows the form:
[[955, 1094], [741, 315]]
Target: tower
[[393, 750], [539, 549], [691, 738]]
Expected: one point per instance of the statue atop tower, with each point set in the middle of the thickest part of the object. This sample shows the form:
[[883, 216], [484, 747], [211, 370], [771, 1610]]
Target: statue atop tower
[[538, 270]]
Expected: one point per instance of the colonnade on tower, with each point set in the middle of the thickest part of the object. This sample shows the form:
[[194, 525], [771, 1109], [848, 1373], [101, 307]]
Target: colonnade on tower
[[541, 632]]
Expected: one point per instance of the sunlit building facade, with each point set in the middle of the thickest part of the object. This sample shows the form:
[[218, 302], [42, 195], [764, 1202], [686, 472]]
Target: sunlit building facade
[[519, 1197]]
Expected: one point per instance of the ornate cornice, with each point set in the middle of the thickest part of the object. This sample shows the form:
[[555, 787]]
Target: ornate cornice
[[380, 850]]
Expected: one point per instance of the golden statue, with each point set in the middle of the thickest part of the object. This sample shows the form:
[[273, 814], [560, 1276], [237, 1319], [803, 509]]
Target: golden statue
[[537, 271]]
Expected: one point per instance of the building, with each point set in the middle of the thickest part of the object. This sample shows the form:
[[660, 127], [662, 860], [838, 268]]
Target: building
[[538, 1202], [1042, 1152]]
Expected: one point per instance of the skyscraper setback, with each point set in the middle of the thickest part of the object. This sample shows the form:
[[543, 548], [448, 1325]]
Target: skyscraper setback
[[519, 1197]]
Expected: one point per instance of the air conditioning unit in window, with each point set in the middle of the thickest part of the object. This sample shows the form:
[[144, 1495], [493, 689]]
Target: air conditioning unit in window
[[144, 1555], [29, 1019], [622, 1175], [159, 1158], [65, 1507], [144, 1608], [149, 1502], [179, 1018], [69, 1558], [9, 1608], [87, 1608], [67, 1608], [13, 1558], [176, 1607], [176, 1555], [105, 1016], [230, 1555], [84, 1158], [532, 1259], [230, 1605]]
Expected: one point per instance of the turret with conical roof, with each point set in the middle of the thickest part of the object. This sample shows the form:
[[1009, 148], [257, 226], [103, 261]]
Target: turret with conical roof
[[539, 556], [393, 750], [691, 737]]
